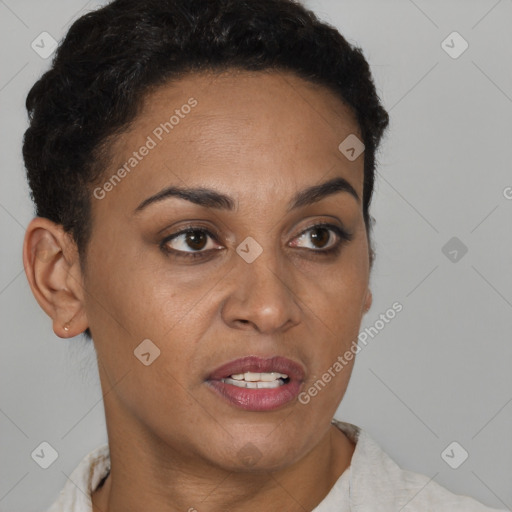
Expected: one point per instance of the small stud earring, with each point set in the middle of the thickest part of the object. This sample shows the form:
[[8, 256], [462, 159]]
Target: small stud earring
[[66, 327]]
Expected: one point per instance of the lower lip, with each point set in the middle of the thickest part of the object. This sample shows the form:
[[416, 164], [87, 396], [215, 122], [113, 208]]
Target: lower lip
[[256, 399]]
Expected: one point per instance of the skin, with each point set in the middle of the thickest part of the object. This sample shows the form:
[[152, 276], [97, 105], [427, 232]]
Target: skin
[[259, 137]]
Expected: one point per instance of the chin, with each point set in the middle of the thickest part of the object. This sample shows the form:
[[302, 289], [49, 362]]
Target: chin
[[256, 455]]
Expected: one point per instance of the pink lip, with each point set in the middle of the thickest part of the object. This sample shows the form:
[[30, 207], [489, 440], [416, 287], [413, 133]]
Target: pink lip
[[258, 399]]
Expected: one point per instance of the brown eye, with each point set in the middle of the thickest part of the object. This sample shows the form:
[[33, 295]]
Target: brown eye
[[190, 242], [195, 239], [320, 235]]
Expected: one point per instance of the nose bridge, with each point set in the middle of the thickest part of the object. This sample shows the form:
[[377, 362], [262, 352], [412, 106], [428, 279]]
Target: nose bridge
[[262, 293]]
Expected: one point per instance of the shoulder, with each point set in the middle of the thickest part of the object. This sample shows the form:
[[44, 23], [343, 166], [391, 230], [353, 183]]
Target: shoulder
[[75, 496], [378, 483]]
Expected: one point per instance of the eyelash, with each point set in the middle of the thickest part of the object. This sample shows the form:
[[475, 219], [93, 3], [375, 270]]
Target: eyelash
[[343, 237]]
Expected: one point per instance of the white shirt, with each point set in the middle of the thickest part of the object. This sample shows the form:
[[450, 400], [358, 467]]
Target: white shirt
[[372, 482]]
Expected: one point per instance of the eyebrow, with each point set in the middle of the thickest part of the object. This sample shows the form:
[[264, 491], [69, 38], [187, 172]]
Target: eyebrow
[[210, 198]]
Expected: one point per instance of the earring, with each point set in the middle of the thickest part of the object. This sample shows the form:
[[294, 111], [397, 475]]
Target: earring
[[66, 326]]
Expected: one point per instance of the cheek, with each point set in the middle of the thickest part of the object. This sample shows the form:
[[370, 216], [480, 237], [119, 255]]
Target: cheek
[[334, 303], [124, 292], [324, 390], [133, 312], [336, 292], [337, 318], [133, 298]]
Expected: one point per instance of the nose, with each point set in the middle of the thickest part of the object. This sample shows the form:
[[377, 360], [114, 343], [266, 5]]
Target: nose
[[261, 295]]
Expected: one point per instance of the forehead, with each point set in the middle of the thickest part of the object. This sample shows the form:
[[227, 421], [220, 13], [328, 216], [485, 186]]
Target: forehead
[[254, 133], [236, 99]]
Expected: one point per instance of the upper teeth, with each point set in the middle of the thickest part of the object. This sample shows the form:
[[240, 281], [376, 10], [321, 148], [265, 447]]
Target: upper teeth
[[256, 380], [255, 377]]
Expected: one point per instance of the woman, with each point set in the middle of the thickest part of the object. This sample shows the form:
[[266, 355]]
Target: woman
[[202, 173]]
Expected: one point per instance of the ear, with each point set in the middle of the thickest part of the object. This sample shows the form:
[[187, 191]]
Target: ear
[[52, 267], [368, 300]]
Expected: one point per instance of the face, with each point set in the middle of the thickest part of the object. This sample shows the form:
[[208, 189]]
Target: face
[[252, 277]]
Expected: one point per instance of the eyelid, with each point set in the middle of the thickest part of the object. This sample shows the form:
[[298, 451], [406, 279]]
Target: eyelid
[[326, 224], [212, 233], [341, 233]]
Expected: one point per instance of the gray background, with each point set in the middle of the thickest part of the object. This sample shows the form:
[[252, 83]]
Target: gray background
[[440, 371]]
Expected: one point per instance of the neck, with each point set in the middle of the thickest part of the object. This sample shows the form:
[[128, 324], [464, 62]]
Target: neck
[[139, 481]]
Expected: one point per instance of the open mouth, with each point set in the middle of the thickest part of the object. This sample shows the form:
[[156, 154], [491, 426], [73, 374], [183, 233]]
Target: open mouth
[[257, 384], [253, 380]]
